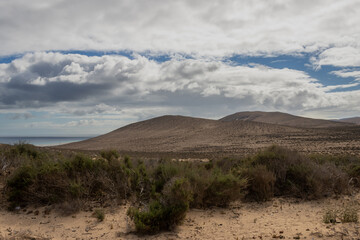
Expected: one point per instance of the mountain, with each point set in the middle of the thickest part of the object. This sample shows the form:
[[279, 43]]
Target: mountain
[[284, 119], [179, 133], [234, 135], [355, 120]]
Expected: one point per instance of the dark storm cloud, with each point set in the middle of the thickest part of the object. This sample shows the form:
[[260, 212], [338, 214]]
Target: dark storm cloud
[[52, 92], [46, 69]]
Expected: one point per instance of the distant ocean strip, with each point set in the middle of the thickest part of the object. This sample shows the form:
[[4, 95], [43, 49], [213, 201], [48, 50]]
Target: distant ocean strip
[[41, 141]]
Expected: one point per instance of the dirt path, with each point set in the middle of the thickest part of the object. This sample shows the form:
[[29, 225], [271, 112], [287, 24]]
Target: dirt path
[[277, 219]]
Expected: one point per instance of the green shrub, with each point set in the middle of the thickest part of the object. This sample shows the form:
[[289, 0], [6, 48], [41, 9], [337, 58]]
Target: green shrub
[[75, 189], [224, 189], [18, 183], [200, 179], [166, 212], [50, 182], [128, 162], [330, 216], [177, 190], [298, 176], [346, 214], [110, 154], [261, 183], [99, 214], [48, 178], [349, 214], [80, 163], [22, 148], [163, 173]]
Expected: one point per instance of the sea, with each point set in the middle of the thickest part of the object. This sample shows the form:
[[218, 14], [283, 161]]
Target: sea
[[42, 141]]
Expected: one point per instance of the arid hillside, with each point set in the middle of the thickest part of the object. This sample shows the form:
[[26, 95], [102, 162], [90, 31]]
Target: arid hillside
[[284, 119], [355, 120], [178, 134], [182, 134]]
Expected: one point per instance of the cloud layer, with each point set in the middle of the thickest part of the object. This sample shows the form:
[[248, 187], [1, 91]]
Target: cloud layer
[[215, 28], [81, 85]]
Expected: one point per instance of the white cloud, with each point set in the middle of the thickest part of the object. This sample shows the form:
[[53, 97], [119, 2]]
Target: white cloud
[[338, 56], [200, 27], [112, 85], [345, 73]]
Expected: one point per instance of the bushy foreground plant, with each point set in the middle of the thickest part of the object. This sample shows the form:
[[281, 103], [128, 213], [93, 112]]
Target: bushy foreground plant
[[298, 176], [79, 177], [261, 183], [167, 211]]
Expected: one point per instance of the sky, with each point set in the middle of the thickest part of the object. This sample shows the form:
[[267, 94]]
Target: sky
[[86, 67]]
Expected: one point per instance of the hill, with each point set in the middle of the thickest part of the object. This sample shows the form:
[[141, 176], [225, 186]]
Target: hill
[[355, 120], [184, 134], [284, 119], [188, 137]]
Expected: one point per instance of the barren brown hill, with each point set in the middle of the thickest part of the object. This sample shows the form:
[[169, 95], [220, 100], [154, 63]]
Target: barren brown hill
[[178, 133], [189, 136], [284, 119], [355, 120]]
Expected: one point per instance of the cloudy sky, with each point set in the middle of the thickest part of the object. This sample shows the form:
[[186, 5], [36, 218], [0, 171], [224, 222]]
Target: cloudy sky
[[86, 67]]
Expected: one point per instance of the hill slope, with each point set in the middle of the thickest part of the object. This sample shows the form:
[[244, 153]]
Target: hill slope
[[283, 119], [178, 133], [178, 136], [355, 120]]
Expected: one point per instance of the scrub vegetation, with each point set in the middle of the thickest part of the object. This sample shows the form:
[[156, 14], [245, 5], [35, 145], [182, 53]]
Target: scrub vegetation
[[161, 191]]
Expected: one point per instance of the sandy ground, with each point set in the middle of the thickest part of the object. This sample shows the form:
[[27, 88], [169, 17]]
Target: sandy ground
[[276, 219]]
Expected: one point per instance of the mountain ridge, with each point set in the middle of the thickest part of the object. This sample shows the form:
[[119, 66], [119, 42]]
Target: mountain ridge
[[182, 134], [284, 119], [355, 120]]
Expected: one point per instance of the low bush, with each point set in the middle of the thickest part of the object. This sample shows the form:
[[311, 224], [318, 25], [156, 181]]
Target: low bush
[[346, 214], [349, 214], [110, 154], [166, 212], [298, 176], [211, 186], [80, 177], [12, 157], [99, 214], [330, 216], [261, 183], [223, 189]]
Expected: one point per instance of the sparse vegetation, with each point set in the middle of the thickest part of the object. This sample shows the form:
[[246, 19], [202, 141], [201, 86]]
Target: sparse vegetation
[[162, 190], [99, 214], [330, 216], [349, 214], [346, 214]]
